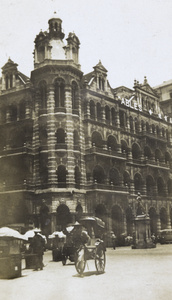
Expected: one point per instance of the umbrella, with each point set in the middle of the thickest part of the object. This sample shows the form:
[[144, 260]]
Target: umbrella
[[9, 232]]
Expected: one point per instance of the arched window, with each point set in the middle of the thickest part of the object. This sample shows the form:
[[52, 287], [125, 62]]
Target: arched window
[[97, 139], [122, 118], [169, 184], [11, 80], [107, 113], [6, 82], [136, 151], [149, 185], [126, 179], [41, 53], [63, 216], [124, 147], [100, 212], [137, 182], [113, 116], [60, 134], [61, 175], [160, 187], [99, 111], [114, 177], [136, 125], [131, 124], [112, 143], [129, 221], [92, 110], [74, 95], [157, 155], [43, 94], [59, 93], [98, 174], [147, 152]]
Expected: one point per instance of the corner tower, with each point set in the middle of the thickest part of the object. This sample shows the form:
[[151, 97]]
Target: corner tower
[[59, 167]]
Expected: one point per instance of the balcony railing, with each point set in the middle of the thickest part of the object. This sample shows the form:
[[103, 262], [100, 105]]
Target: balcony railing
[[16, 150], [106, 152], [102, 186]]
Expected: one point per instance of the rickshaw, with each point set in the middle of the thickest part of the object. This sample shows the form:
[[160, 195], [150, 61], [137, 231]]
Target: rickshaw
[[95, 248]]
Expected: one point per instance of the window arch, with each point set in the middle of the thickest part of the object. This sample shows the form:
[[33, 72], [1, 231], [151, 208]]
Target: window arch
[[97, 139], [169, 184], [60, 135], [126, 179], [107, 113], [74, 95], [158, 155], [92, 110], [61, 175], [63, 216], [59, 93], [22, 110], [99, 111], [114, 177], [137, 182], [43, 94], [136, 152], [113, 115], [163, 218], [124, 147], [149, 185], [112, 143], [13, 112], [160, 187], [98, 174], [147, 152]]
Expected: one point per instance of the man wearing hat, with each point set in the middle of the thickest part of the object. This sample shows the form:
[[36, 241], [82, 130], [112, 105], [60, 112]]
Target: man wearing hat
[[37, 246]]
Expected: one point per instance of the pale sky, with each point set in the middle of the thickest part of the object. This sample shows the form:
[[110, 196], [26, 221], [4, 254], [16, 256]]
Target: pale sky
[[132, 38]]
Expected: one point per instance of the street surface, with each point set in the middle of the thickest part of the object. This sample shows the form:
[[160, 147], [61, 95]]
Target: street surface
[[129, 274]]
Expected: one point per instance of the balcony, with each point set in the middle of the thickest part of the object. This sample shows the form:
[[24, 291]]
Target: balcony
[[107, 187], [105, 153], [25, 149]]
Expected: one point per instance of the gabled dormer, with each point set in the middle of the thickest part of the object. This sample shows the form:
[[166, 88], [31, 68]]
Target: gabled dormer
[[147, 97], [97, 80], [11, 77]]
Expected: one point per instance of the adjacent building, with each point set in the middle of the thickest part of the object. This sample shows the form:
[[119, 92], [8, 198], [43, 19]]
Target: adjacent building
[[71, 145]]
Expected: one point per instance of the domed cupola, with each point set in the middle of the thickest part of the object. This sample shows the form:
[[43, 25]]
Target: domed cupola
[[55, 27]]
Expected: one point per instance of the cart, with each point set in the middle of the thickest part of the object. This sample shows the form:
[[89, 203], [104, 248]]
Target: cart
[[95, 249], [11, 242]]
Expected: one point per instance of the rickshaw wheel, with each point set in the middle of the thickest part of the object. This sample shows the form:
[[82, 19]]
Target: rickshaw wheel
[[100, 259], [80, 263]]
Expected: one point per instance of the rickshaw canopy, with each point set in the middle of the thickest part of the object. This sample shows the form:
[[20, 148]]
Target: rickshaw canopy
[[94, 220]]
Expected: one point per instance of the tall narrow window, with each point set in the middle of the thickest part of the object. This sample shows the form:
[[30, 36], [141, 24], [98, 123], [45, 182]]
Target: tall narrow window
[[6, 82], [59, 93]]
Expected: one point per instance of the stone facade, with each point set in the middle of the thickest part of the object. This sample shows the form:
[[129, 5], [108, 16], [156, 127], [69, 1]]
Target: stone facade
[[79, 144]]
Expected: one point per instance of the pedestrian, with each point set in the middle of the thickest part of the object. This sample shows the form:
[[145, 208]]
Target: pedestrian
[[37, 246], [113, 238]]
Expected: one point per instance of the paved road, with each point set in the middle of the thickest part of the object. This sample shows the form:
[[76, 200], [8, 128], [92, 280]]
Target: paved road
[[130, 274]]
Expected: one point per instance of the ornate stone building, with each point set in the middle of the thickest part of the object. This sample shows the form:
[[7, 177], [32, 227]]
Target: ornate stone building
[[79, 144]]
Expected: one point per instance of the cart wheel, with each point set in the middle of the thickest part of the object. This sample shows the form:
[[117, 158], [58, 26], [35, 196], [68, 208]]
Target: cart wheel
[[100, 259], [80, 261]]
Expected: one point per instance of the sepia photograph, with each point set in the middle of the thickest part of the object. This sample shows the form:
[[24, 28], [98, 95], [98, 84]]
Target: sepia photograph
[[85, 149]]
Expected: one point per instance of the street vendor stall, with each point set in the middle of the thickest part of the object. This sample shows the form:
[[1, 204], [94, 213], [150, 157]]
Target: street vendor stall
[[11, 242]]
